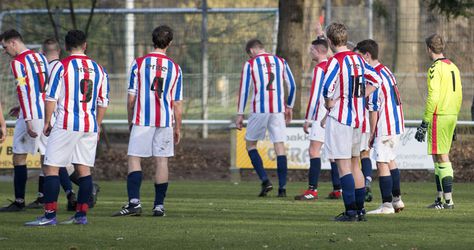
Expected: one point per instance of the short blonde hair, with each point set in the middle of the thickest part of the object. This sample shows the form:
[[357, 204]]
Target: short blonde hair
[[436, 43], [337, 33]]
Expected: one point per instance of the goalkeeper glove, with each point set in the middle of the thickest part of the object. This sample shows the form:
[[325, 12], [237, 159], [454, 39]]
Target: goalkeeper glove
[[421, 132]]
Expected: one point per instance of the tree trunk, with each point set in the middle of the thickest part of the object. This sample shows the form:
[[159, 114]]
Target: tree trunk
[[290, 43]]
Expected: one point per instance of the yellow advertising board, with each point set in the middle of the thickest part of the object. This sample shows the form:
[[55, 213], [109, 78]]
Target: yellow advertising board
[[6, 154]]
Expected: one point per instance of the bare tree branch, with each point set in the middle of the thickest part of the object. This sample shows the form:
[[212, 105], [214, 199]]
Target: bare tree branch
[[94, 3], [51, 19], [73, 15]]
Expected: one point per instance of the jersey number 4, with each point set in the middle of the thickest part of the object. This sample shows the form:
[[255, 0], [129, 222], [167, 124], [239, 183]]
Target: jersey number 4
[[157, 85], [86, 90]]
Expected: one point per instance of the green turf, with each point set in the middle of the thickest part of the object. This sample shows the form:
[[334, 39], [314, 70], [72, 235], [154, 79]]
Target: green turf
[[222, 215]]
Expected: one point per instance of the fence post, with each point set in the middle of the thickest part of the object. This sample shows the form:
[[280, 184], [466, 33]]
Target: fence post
[[205, 69], [129, 35]]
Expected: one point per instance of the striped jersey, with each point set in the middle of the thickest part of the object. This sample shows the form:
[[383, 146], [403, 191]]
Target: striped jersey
[[156, 81], [79, 85], [315, 110], [266, 74], [387, 102], [30, 72], [345, 82]]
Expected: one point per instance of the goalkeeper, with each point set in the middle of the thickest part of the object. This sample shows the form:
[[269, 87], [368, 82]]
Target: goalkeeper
[[441, 113]]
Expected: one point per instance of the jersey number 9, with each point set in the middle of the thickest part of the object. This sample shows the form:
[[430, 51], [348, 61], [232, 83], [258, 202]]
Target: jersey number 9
[[86, 90]]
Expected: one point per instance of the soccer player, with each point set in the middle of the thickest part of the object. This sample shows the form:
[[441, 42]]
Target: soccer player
[[51, 51], [387, 124], [266, 73], [314, 113], [30, 73], [348, 80], [79, 86], [441, 114], [155, 94], [3, 126]]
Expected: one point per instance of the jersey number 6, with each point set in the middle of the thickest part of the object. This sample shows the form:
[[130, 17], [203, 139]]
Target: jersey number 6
[[86, 90]]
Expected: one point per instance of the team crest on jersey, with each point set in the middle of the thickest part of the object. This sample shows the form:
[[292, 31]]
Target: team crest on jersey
[[21, 81]]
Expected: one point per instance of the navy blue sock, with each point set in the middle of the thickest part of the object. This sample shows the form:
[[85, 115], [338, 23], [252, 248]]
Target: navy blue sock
[[348, 192], [395, 173], [282, 170], [51, 193], [336, 182], [386, 186], [359, 198], [83, 195], [366, 167], [258, 164], [160, 193], [19, 181], [41, 186], [64, 180], [314, 171], [134, 181]]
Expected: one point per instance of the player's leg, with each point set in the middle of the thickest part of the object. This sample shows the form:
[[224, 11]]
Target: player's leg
[[446, 174], [256, 129], [161, 185], [366, 167], [336, 192], [38, 203], [397, 202], [277, 130], [438, 203], [359, 180], [67, 187], [314, 171], [386, 186]]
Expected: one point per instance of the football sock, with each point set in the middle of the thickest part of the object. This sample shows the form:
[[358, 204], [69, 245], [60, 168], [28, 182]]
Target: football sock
[[74, 177], [395, 173], [134, 181], [282, 170], [40, 186], [359, 198], [314, 171], [386, 187], [348, 192], [160, 193], [51, 193], [446, 177], [366, 168], [438, 182], [19, 182], [83, 195], [257, 164], [336, 182], [64, 180]]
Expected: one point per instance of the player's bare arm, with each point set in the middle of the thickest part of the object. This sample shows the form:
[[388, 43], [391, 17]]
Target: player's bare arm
[[49, 107], [373, 118], [29, 129], [3, 126], [288, 115], [130, 107], [100, 117], [178, 111], [239, 122], [14, 112]]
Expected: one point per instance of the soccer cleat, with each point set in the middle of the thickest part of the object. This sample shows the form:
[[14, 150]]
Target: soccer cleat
[[385, 208], [41, 222], [95, 192], [335, 195], [129, 209], [398, 204], [36, 204], [281, 192], [159, 211], [13, 207], [82, 220], [448, 206], [368, 194], [348, 216], [308, 195], [437, 204], [361, 215], [71, 202], [266, 187]]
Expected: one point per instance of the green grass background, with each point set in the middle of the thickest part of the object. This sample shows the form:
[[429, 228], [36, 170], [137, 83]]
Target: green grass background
[[224, 215]]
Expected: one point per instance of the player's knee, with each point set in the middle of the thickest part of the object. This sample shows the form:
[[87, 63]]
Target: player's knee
[[83, 170], [19, 159], [364, 154]]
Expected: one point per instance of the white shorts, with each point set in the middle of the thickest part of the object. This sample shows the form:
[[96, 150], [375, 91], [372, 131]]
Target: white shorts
[[23, 143], [364, 142], [148, 141], [258, 124], [65, 147], [342, 141], [385, 147], [317, 132]]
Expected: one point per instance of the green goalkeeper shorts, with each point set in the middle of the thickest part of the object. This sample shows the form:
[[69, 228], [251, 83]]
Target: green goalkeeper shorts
[[440, 134]]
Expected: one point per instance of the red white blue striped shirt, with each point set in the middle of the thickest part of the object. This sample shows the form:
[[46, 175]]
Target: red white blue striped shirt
[[79, 85], [386, 100], [345, 82], [30, 72], [266, 73], [315, 110], [157, 81]]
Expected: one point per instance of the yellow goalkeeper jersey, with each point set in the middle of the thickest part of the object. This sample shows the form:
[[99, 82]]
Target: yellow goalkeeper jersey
[[444, 89]]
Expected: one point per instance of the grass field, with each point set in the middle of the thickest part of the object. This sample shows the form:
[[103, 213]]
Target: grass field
[[222, 215]]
